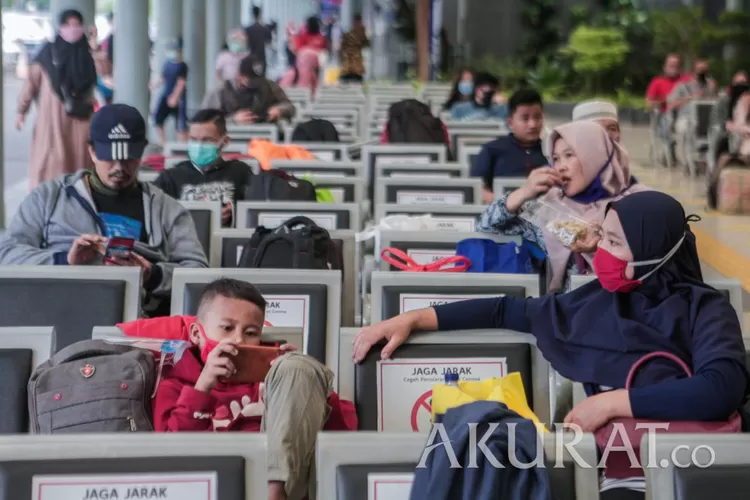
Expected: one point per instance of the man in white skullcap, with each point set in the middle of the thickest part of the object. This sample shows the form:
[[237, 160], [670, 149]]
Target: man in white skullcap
[[603, 112]]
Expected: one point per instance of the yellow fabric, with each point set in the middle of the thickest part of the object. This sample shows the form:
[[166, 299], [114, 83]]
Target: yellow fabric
[[331, 75], [508, 390]]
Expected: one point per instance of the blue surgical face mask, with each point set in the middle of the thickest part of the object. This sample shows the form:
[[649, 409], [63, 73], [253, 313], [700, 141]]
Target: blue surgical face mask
[[203, 154], [466, 87]]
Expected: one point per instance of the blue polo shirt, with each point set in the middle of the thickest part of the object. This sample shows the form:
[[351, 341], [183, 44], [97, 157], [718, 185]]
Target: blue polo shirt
[[507, 157]]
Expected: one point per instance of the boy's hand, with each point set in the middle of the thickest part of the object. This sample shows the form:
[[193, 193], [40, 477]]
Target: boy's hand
[[218, 366]]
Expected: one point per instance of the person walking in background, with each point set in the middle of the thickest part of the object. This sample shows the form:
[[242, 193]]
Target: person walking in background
[[61, 80], [305, 74], [228, 61], [352, 43], [258, 36], [173, 100]]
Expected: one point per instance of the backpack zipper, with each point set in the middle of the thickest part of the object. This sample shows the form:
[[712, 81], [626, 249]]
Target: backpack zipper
[[133, 427]]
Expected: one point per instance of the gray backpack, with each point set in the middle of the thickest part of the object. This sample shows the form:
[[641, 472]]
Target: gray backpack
[[93, 386]]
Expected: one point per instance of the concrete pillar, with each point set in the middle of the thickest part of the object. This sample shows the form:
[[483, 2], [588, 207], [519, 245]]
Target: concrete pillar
[[132, 58], [246, 15], [169, 28], [215, 36], [233, 14], [194, 40], [423, 39], [3, 210], [347, 14], [86, 7]]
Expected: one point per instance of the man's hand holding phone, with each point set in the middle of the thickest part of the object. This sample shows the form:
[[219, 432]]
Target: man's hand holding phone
[[219, 365]]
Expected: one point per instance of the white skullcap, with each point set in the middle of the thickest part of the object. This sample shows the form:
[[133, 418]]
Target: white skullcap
[[595, 110]]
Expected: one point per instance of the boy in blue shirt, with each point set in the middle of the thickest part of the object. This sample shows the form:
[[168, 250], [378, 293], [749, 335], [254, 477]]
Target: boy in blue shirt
[[518, 153]]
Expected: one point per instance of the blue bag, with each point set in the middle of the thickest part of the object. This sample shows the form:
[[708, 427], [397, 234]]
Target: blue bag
[[487, 256]]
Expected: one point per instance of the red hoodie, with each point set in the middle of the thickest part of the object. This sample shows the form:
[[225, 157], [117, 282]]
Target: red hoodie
[[179, 407]]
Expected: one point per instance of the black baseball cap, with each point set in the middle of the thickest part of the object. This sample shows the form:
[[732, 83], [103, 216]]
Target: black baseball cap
[[118, 132]]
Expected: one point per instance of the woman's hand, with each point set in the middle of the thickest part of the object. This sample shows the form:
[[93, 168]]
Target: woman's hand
[[596, 411], [587, 245], [540, 181], [395, 331]]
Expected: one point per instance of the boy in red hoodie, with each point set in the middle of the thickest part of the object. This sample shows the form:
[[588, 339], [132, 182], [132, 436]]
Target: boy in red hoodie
[[291, 407]]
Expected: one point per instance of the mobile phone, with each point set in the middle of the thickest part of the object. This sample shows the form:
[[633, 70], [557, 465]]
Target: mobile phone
[[252, 363], [119, 248]]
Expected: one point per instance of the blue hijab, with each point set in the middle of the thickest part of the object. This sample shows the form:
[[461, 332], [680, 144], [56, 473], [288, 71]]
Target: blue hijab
[[593, 336]]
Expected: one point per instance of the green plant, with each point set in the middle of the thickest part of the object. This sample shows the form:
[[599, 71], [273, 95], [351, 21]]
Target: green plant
[[548, 76], [595, 52], [511, 72], [684, 31], [542, 32]]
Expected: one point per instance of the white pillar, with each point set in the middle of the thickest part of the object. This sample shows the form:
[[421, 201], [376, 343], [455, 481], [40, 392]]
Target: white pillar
[[3, 211], [194, 42], [246, 15], [347, 14], [132, 58], [233, 15], [215, 36], [169, 28], [87, 8]]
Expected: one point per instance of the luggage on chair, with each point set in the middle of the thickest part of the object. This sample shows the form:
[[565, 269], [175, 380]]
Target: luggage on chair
[[299, 243], [276, 185], [315, 130], [93, 386]]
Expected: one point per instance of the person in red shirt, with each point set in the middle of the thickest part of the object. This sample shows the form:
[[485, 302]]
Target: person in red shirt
[[311, 37], [295, 402], [663, 85]]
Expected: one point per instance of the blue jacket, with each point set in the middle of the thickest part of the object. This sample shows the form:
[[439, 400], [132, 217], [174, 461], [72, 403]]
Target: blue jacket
[[507, 157], [438, 481]]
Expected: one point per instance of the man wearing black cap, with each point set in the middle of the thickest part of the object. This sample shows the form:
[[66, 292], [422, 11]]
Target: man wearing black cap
[[251, 98], [70, 220]]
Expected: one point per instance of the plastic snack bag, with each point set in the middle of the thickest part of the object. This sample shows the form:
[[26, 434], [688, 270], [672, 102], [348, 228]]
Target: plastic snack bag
[[556, 218]]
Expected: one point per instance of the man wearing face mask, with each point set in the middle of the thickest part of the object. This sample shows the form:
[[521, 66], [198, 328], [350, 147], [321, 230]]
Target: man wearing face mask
[[207, 176], [251, 98], [486, 103], [68, 221], [699, 86]]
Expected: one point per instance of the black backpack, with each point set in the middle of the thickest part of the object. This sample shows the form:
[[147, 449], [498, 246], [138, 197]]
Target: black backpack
[[299, 243], [276, 185], [411, 121], [315, 130]]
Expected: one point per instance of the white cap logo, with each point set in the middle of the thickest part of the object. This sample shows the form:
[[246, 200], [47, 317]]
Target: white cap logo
[[119, 148]]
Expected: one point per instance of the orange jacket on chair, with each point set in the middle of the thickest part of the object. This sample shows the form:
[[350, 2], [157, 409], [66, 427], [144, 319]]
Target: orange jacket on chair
[[265, 151]]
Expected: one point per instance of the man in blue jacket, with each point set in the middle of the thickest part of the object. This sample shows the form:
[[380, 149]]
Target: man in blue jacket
[[518, 153]]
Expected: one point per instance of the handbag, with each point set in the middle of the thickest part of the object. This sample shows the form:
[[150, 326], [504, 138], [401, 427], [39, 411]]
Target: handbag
[[618, 463], [400, 260]]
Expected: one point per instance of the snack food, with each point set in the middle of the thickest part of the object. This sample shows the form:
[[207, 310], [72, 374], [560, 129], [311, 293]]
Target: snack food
[[569, 230]]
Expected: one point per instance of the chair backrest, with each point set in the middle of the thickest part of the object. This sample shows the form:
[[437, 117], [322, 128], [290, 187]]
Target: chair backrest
[[274, 213], [394, 396], [230, 466], [299, 168], [417, 171], [696, 466], [397, 293], [467, 154], [325, 151], [343, 189], [207, 219], [72, 299], [461, 218], [236, 148], [228, 245], [428, 246], [147, 175], [23, 349], [344, 472], [305, 299], [504, 185], [731, 288], [701, 112], [430, 191], [390, 154], [248, 132]]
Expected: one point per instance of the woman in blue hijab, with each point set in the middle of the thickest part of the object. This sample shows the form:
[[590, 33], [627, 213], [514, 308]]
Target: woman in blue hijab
[[649, 297]]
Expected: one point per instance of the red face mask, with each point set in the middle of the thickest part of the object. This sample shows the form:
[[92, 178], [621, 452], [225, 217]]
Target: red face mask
[[611, 270], [208, 344]]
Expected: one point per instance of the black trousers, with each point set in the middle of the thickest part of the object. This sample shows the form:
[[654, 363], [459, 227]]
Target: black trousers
[[622, 494]]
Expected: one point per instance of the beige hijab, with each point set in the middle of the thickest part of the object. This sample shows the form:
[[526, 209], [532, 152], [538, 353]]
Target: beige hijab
[[600, 158]]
